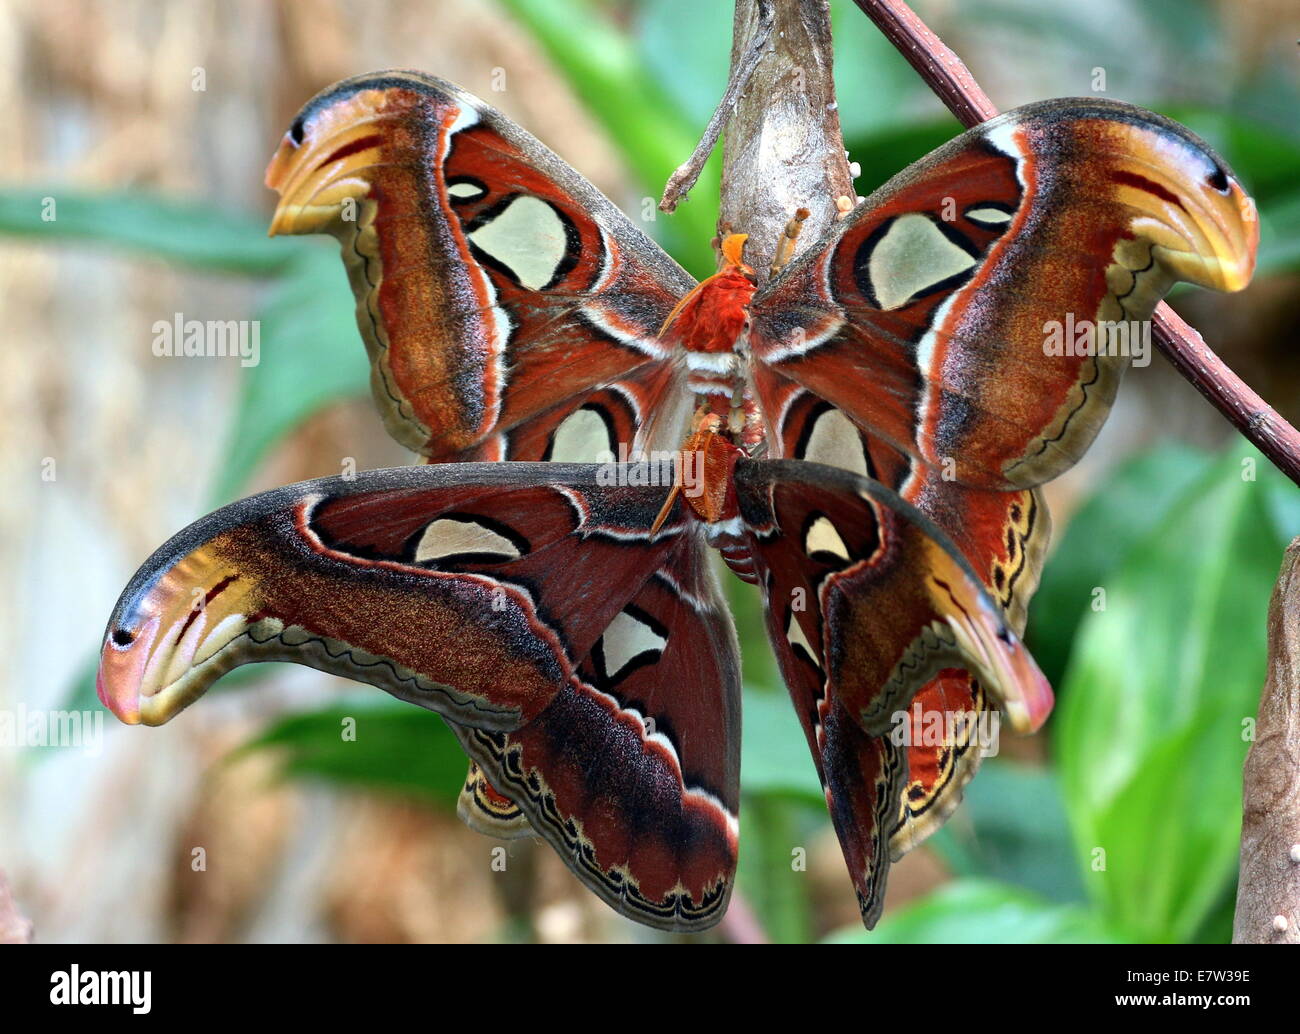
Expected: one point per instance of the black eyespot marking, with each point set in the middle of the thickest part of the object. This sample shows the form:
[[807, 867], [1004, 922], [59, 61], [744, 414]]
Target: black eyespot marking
[[1218, 179], [1005, 635], [296, 131], [122, 637]]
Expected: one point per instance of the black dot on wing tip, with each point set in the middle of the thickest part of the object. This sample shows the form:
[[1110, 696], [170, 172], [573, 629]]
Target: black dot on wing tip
[[296, 131], [1218, 179], [122, 637]]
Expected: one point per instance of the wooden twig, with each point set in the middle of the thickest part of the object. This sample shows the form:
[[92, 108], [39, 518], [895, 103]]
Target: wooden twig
[[742, 70], [1259, 422], [946, 74], [1268, 894]]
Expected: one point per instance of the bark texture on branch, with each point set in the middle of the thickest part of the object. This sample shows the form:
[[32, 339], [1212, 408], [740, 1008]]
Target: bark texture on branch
[[783, 148], [950, 79], [1269, 886]]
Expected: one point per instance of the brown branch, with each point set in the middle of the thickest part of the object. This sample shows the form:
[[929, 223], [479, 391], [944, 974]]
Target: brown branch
[[783, 146], [943, 71], [946, 74], [1259, 422], [1268, 894], [742, 70]]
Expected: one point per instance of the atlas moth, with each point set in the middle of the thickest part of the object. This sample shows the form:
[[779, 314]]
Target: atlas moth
[[871, 429]]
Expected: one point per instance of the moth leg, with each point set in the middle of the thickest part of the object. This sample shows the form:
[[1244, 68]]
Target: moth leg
[[785, 246]]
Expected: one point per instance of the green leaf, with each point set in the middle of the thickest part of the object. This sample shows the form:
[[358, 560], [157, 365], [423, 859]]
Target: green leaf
[[885, 153], [685, 48], [310, 352], [1150, 732], [875, 87], [1120, 513], [769, 834], [605, 70], [1279, 235], [980, 912], [1012, 827], [1283, 501], [311, 355], [398, 748], [194, 234], [775, 760]]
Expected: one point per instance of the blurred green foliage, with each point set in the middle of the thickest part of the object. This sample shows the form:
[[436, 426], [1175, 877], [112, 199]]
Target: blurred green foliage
[[1151, 748], [975, 911], [1150, 618]]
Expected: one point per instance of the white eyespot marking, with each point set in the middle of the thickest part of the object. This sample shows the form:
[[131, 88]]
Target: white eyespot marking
[[823, 538], [835, 441], [913, 255], [465, 190], [626, 639], [581, 438], [986, 216], [527, 237], [794, 634], [446, 537], [466, 116]]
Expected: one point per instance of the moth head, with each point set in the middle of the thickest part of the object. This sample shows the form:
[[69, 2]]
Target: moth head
[[325, 164], [1186, 212], [733, 254], [167, 639]]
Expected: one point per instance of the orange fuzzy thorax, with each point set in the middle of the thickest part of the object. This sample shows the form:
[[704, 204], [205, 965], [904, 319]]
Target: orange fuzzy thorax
[[714, 315]]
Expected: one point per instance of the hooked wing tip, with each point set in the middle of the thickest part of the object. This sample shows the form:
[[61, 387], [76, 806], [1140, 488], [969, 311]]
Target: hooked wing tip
[[121, 669], [1019, 686], [1028, 709]]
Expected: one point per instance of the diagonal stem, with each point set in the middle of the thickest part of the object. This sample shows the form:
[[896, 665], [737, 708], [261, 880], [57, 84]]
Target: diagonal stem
[[950, 79], [689, 171]]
